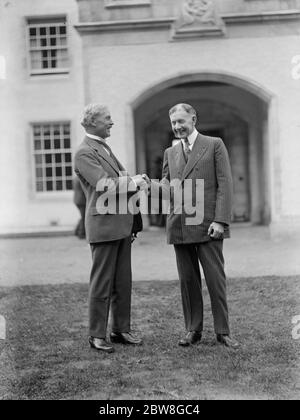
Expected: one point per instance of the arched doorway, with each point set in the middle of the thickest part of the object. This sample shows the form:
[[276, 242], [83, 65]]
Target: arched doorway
[[226, 107]]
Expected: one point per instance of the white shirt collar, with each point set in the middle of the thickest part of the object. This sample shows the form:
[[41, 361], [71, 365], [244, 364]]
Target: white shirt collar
[[91, 136], [191, 138]]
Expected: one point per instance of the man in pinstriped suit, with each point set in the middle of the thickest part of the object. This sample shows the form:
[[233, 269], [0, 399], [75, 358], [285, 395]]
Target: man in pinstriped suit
[[200, 157], [109, 233]]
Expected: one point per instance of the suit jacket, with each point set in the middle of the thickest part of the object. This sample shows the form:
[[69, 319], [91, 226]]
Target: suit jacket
[[93, 163], [208, 161], [79, 196]]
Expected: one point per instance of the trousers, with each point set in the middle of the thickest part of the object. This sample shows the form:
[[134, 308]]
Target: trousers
[[210, 255]]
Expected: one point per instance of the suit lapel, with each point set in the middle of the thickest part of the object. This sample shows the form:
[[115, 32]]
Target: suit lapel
[[198, 151], [100, 150], [121, 167]]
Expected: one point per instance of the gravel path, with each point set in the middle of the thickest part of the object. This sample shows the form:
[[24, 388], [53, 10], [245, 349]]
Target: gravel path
[[66, 259]]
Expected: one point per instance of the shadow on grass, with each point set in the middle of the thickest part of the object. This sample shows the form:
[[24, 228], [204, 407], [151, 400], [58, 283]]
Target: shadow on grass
[[46, 354]]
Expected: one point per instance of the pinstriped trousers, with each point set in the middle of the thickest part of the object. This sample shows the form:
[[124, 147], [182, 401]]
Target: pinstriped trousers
[[211, 258], [110, 287]]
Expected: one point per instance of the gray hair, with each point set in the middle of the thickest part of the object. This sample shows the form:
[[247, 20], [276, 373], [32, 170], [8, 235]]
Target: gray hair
[[187, 108], [90, 112]]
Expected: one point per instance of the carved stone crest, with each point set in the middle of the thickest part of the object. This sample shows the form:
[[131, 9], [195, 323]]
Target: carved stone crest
[[198, 18]]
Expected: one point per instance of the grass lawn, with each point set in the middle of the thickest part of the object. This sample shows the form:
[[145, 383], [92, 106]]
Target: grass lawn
[[46, 354]]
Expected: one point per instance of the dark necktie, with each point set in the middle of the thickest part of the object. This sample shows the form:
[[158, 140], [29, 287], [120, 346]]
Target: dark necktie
[[186, 149]]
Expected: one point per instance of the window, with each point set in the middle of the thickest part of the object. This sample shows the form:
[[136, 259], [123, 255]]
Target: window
[[48, 51], [52, 157]]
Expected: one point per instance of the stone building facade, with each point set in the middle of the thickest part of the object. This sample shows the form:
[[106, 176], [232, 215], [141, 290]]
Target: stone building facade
[[235, 61], [41, 101]]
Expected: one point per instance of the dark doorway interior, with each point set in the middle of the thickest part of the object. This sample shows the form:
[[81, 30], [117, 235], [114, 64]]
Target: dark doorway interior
[[213, 133]]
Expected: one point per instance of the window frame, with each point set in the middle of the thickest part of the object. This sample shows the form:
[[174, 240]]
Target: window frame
[[47, 22], [54, 193]]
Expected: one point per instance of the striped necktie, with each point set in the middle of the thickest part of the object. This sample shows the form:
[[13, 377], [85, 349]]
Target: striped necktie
[[186, 149]]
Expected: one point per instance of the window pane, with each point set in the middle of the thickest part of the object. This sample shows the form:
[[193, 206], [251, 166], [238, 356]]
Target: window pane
[[49, 185], [68, 170], [43, 42], [58, 171], [42, 31], [47, 144], [59, 185], [68, 157], [56, 130], [61, 54], [48, 158], [36, 56], [32, 32], [36, 65], [57, 158], [45, 64], [63, 41], [69, 184], [39, 172], [66, 128], [39, 186], [52, 30], [37, 145], [46, 130], [48, 172], [62, 58], [62, 30], [37, 130], [33, 43], [38, 159], [67, 143], [56, 144]]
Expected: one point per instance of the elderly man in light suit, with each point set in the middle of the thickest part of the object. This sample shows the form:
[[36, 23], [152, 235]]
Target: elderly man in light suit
[[109, 234], [194, 157]]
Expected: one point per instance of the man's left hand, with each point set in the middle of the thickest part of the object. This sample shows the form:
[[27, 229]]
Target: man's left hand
[[216, 230], [133, 237]]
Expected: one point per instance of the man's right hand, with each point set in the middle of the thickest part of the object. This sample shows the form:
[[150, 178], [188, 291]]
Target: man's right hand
[[147, 179], [140, 182]]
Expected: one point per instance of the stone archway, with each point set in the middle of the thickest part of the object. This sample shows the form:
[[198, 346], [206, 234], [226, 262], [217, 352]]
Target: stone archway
[[225, 108]]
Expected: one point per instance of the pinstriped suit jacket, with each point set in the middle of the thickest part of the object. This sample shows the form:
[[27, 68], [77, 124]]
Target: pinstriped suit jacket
[[208, 161], [92, 163]]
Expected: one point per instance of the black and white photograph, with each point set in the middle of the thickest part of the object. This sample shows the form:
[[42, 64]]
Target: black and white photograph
[[150, 202]]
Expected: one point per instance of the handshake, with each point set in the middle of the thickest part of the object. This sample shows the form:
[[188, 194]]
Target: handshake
[[142, 182]]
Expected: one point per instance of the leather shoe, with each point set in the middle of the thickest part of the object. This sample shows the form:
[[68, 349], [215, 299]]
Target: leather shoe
[[100, 344], [125, 338], [227, 341], [192, 337]]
